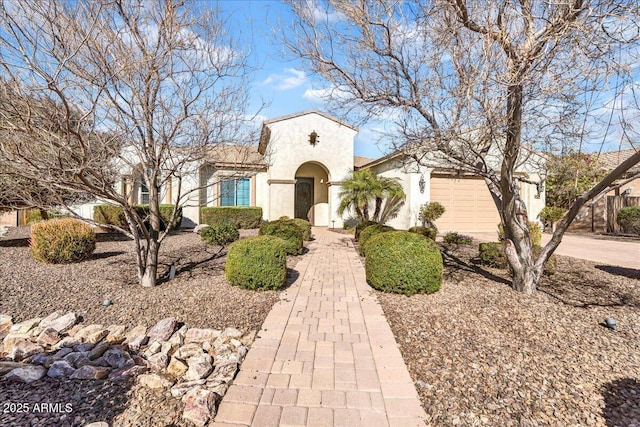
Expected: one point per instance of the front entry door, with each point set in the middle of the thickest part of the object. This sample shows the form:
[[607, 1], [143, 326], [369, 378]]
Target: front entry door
[[304, 197]]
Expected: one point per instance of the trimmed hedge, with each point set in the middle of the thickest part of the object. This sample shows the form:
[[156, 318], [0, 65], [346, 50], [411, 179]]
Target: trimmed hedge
[[369, 232], [286, 230], [114, 215], [219, 235], [403, 262], [361, 226], [305, 226], [257, 263], [430, 232], [62, 241], [34, 215], [454, 238], [629, 219], [492, 254], [241, 217]]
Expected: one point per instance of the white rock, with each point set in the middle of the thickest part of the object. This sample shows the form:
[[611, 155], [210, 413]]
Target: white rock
[[199, 406]]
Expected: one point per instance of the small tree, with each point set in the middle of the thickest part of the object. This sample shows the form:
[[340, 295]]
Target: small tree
[[146, 88], [569, 176], [363, 187], [429, 212]]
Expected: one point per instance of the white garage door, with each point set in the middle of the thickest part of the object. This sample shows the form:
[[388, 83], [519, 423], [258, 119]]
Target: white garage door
[[468, 203]]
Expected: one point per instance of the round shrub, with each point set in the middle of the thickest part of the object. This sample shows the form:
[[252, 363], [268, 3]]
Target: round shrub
[[629, 219], [429, 232], [219, 235], [257, 263], [455, 238], [361, 226], [369, 232], [287, 231], [403, 262], [305, 226], [62, 241], [492, 254]]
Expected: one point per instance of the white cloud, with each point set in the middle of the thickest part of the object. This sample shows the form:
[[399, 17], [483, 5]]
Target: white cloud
[[323, 95], [290, 79]]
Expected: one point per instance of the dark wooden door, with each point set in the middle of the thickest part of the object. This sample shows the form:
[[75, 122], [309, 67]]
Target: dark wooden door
[[304, 197]]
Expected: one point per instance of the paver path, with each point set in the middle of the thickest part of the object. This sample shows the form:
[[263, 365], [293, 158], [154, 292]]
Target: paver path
[[325, 355]]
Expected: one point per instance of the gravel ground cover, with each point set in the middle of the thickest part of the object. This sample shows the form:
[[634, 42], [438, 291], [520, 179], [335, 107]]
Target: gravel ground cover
[[198, 296], [482, 354]]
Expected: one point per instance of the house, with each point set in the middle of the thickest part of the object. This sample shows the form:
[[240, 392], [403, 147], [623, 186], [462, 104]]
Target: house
[[599, 216], [297, 171]]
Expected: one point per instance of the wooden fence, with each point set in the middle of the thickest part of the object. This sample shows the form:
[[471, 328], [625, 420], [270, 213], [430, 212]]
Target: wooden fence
[[614, 204]]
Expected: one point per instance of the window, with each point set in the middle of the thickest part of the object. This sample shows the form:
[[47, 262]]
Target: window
[[234, 192], [143, 196]]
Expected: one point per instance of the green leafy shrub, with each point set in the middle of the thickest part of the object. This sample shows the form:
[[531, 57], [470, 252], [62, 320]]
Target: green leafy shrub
[[629, 219], [257, 263], [361, 226], [287, 231], [305, 226], [430, 232], [62, 241], [535, 231], [549, 215], [241, 217], [114, 215], [369, 232], [403, 262], [35, 215], [429, 212], [219, 235], [454, 238], [492, 254]]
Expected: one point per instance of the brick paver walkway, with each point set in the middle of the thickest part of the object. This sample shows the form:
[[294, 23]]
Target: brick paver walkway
[[325, 355]]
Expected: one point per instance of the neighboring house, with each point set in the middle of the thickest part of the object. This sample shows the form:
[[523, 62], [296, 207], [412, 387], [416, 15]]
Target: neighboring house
[[297, 171], [599, 215]]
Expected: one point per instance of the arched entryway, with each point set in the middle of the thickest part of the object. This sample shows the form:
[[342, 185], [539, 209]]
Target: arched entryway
[[311, 196]]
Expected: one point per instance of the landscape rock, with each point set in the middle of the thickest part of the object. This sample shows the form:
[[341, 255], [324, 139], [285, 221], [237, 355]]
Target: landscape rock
[[152, 349], [181, 389], [42, 359], [85, 346], [187, 350], [5, 325], [78, 359], [225, 371], [178, 337], [177, 368], [158, 362], [24, 327], [116, 334], [61, 369], [155, 381], [136, 337], [7, 366], [92, 334], [12, 338], [196, 335], [89, 372], [126, 373], [232, 333], [200, 366], [26, 373], [199, 406], [163, 330], [24, 348], [98, 350], [64, 323], [118, 358], [49, 337]]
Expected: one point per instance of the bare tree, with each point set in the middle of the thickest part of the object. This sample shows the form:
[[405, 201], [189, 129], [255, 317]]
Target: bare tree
[[145, 87], [477, 85]]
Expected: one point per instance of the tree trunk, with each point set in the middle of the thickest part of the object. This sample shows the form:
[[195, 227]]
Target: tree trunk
[[150, 276], [365, 212], [44, 214], [376, 212]]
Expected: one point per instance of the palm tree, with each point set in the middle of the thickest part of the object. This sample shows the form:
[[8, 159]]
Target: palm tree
[[364, 186], [387, 188], [357, 190]]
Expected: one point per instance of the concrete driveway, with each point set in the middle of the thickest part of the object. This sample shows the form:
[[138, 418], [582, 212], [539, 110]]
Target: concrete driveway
[[592, 248]]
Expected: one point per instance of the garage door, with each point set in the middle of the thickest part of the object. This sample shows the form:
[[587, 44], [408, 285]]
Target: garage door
[[468, 203]]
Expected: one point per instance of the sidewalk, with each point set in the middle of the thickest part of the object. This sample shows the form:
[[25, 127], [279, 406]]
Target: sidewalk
[[325, 355]]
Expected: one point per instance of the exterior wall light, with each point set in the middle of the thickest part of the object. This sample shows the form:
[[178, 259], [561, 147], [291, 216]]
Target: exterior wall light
[[314, 138], [422, 183]]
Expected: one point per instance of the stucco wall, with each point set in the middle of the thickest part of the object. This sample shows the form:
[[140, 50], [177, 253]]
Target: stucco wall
[[289, 148]]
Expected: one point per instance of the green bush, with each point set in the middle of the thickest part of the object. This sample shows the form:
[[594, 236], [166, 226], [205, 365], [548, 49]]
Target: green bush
[[62, 241], [629, 219], [369, 232], [305, 226], [287, 231], [535, 231], [219, 235], [114, 215], [241, 217], [492, 254], [430, 232], [430, 212], [257, 263], [550, 215], [361, 226], [403, 262], [34, 215], [454, 238]]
